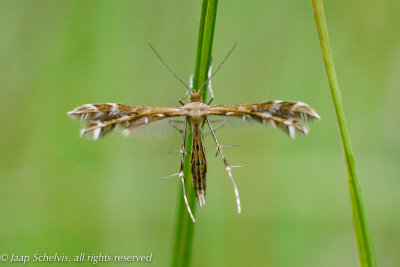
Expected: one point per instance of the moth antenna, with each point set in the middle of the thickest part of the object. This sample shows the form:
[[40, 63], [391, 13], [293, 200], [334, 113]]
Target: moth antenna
[[168, 68], [219, 67]]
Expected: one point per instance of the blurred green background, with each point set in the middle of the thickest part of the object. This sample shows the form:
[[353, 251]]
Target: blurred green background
[[63, 194]]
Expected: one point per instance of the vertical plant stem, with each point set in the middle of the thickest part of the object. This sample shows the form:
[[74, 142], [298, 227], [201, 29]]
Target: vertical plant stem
[[184, 224], [364, 241]]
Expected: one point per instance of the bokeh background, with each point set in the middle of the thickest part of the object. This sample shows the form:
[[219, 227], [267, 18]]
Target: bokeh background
[[63, 194]]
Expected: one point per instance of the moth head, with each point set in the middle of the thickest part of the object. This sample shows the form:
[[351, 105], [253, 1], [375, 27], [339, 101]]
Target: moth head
[[195, 97]]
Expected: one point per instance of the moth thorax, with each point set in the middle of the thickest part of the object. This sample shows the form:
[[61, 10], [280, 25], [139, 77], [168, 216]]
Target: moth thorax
[[195, 97], [196, 120]]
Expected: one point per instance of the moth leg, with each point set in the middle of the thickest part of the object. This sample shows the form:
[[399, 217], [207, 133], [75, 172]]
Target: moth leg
[[183, 97], [188, 91], [227, 167], [191, 82], [209, 84], [181, 174], [220, 125]]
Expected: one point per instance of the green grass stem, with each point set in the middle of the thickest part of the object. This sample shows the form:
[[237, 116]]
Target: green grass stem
[[364, 240], [184, 225]]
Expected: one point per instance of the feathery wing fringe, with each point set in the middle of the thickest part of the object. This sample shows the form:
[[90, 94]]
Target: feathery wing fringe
[[101, 119], [288, 116]]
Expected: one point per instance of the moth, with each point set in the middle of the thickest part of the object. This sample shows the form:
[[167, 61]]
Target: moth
[[100, 119]]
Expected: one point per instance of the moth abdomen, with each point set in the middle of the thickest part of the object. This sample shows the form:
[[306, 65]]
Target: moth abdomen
[[199, 165]]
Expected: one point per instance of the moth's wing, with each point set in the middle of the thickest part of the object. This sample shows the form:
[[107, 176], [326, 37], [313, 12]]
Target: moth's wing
[[157, 128], [100, 119], [292, 117], [218, 123]]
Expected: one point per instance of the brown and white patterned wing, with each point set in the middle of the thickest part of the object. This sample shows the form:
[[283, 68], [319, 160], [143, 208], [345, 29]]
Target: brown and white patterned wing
[[289, 116], [101, 119]]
